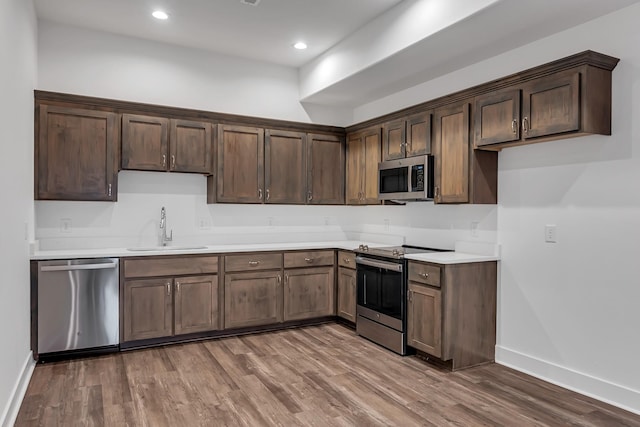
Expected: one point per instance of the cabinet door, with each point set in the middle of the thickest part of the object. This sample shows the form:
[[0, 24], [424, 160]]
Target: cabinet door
[[325, 170], [452, 154], [372, 158], [285, 159], [196, 304], [424, 319], [191, 147], [551, 105], [355, 169], [144, 142], [419, 134], [252, 299], [394, 140], [497, 118], [76, 154], [309, 293], [347, 294], [147, 309], [240, 164]]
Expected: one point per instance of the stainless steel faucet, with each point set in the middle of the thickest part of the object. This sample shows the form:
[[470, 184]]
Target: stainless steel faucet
[[163, 226]]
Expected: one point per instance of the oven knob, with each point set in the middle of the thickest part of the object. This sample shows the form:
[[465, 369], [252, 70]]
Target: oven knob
[[395, 252], [365, 247]]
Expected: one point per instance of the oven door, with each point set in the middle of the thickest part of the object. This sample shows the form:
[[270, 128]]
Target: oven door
[[380, 291]]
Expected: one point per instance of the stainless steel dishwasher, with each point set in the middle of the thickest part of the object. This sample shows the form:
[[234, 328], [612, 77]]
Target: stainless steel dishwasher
[[78, 305]]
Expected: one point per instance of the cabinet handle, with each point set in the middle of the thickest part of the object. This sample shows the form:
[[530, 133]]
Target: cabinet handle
[[309, 260], [168, 289], [177, 286], [173, 162], [346, 260], [268, 195], [254, 263], [425, 275], [260, 193], [286, 278], [279, 279], [410, 296], [109, 190], [514, 126], [164, 160], [436, 193], [525, 125], [309, 196]]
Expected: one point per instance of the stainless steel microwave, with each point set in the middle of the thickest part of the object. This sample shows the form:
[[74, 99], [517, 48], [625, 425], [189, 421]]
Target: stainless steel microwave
[[406, 179]]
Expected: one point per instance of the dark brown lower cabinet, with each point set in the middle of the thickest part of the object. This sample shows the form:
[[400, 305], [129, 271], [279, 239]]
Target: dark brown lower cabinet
[[252, 299], [155, 308], [452, 311], [147, 309], [347, 294], [424, 317], [309, 293]]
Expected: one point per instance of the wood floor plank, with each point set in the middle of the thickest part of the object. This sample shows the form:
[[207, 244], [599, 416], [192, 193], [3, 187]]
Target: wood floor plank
[[313, 376]]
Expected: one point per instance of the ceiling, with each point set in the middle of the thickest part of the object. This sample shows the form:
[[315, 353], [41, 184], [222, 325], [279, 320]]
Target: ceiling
[[265, 32], [354, 37]]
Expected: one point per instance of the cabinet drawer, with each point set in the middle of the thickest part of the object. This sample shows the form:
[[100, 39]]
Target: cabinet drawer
[[308, 259], [424, 273], [248, 262], [170, 266], [346, 259]]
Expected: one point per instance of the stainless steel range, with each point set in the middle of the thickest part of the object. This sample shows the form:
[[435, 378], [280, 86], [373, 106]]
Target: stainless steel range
[[382, 294]]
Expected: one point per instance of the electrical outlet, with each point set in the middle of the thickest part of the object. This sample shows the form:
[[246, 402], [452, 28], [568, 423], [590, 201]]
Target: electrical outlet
[[326, 220], [550, 234], [270, 220], [386, 225], [65, 225], [474, 228]]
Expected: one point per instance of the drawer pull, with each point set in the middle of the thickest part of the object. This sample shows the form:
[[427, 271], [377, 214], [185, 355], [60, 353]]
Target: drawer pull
[[346, 260], [254, 263], [425, 275], [309, 260]]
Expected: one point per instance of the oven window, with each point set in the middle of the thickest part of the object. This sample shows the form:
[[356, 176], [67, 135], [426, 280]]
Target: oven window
[[380, 290], [394, 180]]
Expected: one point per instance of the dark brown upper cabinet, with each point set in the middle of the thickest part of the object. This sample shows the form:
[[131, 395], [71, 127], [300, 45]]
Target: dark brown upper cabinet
[[407, 137], [325, 170], [363, 156], [76, 154], [285, 167], [240, 168], [462, 174], [564, 104], [159, 144]]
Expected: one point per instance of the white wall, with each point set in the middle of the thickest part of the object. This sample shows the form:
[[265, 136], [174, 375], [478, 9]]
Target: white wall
[[17, 81], [93, 63], [567, 311]]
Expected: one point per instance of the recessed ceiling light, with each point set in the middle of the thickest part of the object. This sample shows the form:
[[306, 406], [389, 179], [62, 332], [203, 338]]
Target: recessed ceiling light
[[300, 45], [158, 14]]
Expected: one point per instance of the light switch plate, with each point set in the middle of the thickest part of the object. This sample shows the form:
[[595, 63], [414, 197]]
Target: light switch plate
[[65, 225]]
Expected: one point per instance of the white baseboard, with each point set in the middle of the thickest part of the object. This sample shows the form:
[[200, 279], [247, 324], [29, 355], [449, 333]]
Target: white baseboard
[[10, 412], [597, 388]]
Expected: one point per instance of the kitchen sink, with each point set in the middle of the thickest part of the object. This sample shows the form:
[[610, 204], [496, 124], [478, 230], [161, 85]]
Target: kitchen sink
[[166, 248]]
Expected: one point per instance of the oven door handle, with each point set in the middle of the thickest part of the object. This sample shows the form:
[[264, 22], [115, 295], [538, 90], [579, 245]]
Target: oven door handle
[[380, 264]]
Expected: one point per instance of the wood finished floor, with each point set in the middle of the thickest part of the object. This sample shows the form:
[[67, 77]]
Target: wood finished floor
[[317, 376]]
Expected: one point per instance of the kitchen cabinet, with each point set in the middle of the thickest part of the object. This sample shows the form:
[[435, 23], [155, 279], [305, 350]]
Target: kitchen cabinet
[[160, 144], [309, 281], [285, 167], [346, 307], [325, 169], [407, 137], [363, 156], [253, 290], [240, 164], [167, 296], [462, 174], [563, 104], [76, 154], [451, 311]]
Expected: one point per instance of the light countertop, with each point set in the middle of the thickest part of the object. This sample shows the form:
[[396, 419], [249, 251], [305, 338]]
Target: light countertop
[[435, 257]]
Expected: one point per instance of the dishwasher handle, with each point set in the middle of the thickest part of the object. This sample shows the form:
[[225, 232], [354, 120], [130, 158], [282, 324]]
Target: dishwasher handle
[[78, 267]]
